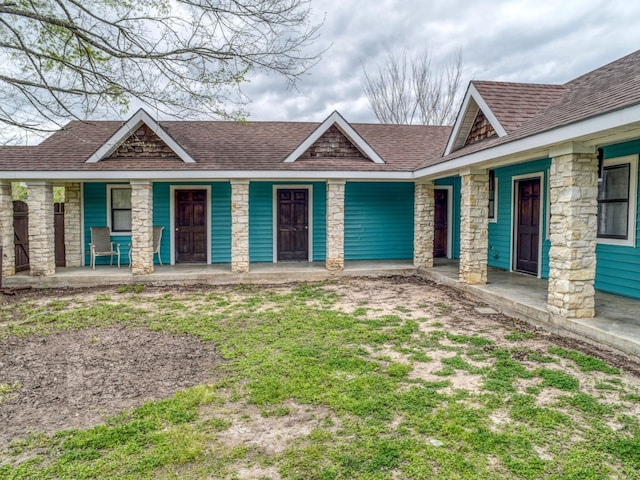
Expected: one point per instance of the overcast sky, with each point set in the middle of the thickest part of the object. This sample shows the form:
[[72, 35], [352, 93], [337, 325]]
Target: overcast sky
[[542, 41]]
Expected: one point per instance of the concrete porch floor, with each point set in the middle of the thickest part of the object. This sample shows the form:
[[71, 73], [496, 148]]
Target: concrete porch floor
[[219, 274], [616, 324]]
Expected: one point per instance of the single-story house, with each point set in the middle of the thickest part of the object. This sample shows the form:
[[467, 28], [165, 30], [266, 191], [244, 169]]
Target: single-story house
[[537, 179]]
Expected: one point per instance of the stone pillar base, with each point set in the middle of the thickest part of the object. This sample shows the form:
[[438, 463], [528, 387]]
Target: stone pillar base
[[423, 230], [474, 227], [141, 227], [42, 253], [335, 225], [572, 231], [240, 226]]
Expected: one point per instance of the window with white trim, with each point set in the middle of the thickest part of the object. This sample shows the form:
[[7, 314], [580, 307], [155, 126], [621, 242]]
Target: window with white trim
[[493, 196], [617, 198], [119, 203]]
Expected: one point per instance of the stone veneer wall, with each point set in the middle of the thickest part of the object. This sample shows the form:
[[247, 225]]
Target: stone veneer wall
[[42, 257], [72, 225], [6, 230], [423, 231], [141, 227], [573, 231], [335, 225], [474, 227], [240, 226]]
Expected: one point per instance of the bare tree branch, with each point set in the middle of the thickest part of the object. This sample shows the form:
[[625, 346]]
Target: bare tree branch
[[77, 59], [406, 89]]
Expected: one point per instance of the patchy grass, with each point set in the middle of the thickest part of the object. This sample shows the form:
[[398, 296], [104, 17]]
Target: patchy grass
[[340, 393]]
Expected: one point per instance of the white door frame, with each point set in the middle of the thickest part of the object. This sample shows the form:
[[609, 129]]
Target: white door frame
[[515, 182], [172, 217], [309, 189]]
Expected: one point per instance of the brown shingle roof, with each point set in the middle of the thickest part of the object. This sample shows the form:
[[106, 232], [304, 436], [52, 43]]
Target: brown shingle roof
[[231, 146], [606, 89], [513, 104]]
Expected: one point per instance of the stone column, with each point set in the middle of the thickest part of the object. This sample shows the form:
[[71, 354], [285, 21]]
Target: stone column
[[474, 226], [72, 225], [240, 226], [573, 231], [335, 225], [42, 249], [6, 230], [141, 227], [423, 224]]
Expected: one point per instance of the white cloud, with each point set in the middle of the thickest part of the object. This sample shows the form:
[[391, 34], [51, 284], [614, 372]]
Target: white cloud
[[542, 41]]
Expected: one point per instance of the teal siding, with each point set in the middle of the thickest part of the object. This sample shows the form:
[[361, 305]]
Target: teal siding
[[221, 222], [500, 232], [378, 221], [455, 228], [95, 215], [319, 221], [261, 220], [161, 218], [618, 267]]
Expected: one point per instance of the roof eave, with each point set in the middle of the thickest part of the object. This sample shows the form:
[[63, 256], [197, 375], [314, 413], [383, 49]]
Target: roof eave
[[592, 131]]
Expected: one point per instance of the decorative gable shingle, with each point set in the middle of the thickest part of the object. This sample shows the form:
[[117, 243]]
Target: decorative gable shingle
[[143, 143], [480, 129], [332, 144]]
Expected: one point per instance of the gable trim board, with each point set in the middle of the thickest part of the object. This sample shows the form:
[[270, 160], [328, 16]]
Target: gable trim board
[[309, 189], [127, 129], [172, 218], [347, 130]]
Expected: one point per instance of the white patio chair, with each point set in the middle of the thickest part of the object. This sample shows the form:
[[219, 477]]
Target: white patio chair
[[157, 240], [102, 246]]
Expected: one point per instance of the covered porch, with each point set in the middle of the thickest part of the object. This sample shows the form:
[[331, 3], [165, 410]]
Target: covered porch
[[616, 323]]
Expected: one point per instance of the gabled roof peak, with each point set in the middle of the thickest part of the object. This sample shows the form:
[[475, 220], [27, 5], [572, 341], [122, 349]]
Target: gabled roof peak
[[130, 126], [346, 129]]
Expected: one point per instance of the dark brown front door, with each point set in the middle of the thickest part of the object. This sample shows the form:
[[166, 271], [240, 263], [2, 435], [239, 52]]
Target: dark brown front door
[[21, 234], [440, 224], [528, 226], [191, 226], [293, 225]]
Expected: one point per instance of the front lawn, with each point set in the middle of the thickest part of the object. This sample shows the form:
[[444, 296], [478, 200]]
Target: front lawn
[[356, 379]]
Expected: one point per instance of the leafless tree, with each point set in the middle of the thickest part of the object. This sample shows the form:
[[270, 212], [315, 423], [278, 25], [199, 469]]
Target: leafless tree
[[407, 89], [70, 59]]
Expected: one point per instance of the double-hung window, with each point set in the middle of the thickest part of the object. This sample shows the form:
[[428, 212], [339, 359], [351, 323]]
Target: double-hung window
[[119, 199], [617, 200]]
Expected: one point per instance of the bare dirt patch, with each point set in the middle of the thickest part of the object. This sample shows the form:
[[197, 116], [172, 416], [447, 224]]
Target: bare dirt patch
[[75, 379]]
